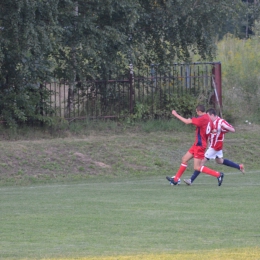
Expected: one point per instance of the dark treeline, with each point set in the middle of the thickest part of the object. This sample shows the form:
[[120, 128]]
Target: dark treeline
[[45, 39]]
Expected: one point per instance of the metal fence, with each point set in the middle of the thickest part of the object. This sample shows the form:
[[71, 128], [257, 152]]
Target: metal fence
[[119, 97]]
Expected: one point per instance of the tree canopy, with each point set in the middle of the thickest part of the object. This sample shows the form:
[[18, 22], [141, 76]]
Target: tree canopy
[[73, 39]]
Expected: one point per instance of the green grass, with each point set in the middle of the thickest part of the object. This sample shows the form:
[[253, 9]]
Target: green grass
[[127, 153], [104, 195], [129, 216]]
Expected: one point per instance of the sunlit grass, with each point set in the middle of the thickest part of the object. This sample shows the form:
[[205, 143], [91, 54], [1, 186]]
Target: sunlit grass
[[234, 254]]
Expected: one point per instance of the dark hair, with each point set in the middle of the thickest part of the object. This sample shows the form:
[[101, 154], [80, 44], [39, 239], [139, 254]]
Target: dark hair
[[211, 111], [200, 108]]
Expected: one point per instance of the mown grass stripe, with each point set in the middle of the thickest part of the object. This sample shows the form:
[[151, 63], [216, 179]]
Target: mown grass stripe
[[230, 254]]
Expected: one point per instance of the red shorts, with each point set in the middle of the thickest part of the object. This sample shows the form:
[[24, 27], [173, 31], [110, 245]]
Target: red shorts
[[198, 152]]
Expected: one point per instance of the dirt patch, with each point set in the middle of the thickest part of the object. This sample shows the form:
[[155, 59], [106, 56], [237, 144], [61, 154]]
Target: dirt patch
[[86, 159]]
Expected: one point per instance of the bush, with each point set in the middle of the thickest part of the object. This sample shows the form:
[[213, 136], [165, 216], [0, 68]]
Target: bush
[[156, 107], [240, 77]]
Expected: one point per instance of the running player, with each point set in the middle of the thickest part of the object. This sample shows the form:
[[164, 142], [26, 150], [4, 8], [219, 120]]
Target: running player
[[221, 127], [204, 126]]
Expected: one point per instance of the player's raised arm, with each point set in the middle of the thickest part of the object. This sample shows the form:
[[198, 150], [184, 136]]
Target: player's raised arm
[[184, 120]]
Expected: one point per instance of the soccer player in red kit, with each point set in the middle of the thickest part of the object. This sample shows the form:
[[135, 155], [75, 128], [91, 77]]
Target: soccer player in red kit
[[221, 127], [204, 126]]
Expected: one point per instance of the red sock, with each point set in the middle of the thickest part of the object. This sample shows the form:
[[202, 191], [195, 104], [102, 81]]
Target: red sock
[[181, 170], [209, 171]]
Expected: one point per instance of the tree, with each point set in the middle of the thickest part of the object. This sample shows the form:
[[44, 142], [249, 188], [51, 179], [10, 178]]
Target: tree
[[25, 43], [241, 25], [251, 14], [94, 37], [87, 39], [103, 34]]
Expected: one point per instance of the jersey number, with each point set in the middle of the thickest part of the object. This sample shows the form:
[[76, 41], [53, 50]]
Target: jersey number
[[208, 130]]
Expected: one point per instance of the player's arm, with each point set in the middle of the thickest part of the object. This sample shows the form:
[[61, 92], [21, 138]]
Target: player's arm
[[228, 127], [183, 119]]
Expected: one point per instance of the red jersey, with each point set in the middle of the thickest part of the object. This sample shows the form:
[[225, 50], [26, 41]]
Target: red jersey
[[204, 126], [217, 139]]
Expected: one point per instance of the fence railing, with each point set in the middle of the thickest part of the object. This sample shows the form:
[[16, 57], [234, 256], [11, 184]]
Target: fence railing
[[118, 97]]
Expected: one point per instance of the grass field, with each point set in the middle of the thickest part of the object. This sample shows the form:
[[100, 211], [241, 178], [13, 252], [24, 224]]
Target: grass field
[[105, 196], [132, 217]]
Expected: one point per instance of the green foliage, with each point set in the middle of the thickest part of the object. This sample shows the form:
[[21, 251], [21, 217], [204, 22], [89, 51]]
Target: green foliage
[[78, 40], [141, 111], [249, 13], [161, 105], [184, 104], [240, 77], [240, 24], [25, 44], [25, 106], [256, 27]]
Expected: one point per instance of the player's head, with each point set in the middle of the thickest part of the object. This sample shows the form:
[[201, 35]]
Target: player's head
[[212, 113], [200, 109]]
